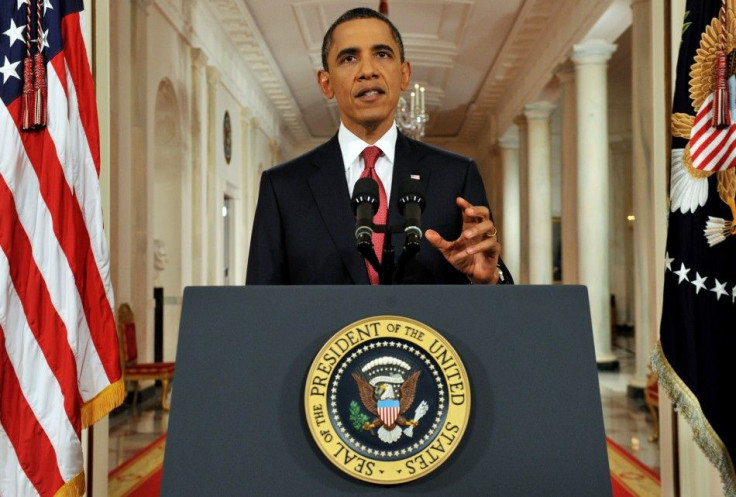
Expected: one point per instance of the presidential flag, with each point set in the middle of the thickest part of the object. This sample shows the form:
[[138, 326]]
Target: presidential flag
[[694, 357], [59, 362]]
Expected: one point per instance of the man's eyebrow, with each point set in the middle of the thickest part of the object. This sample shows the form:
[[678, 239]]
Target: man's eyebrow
[[383, 48], [354, 50], [346, 51]]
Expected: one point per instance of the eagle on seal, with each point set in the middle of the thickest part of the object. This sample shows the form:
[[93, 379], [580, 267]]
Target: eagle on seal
[[388, 404]]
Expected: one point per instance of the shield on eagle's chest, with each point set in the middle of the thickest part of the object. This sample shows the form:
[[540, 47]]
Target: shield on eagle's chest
[[388, 411]]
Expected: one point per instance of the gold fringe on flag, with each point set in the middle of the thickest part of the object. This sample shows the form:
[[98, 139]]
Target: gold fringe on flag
[[687, 404], [103, 403], [73, 488]]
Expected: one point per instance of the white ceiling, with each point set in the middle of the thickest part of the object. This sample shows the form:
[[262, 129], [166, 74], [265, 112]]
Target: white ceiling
[[476, 58]]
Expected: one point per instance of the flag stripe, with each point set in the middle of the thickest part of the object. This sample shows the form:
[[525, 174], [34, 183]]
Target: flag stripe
[[87, 190], [84, 125], [75, 54], [711, 149], [13, 481], [38, 458], [701, 126], [43, 320], [38, 383], [714, 160]]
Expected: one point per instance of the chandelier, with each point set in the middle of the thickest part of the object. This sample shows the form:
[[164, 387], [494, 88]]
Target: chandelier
[[412, 117]]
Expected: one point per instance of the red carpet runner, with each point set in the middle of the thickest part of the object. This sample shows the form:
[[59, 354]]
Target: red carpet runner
[[140, 476], [629, 477]]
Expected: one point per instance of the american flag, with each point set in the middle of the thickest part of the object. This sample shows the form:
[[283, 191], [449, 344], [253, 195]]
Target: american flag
[[59, 362]]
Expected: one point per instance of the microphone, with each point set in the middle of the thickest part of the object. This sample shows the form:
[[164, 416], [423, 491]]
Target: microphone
[[365, 206], [411, 206]]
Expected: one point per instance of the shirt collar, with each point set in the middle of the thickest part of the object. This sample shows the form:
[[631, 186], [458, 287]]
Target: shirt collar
[[351, 146]]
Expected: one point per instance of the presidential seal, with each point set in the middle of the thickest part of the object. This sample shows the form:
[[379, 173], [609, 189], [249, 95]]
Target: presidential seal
[[387, 400]]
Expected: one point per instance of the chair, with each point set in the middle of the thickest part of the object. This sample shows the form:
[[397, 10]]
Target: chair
[[134, 372]]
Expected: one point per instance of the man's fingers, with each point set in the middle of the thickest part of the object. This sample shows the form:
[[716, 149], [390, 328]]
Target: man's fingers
[[486, 229], [436, 240], [488, 245], [473, 213]]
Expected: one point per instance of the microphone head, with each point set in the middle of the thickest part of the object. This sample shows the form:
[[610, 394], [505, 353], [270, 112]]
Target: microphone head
[[410, 190], [365, 190]]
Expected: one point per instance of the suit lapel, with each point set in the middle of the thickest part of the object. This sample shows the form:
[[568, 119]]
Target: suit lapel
[[407, 163], [331, 195]]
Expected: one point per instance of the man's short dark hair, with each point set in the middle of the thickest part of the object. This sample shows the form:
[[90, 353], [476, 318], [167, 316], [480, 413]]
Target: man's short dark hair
[[359, 13]]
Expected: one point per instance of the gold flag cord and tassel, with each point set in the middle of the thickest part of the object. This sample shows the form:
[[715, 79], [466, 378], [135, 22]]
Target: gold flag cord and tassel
[[33, 107], [721, 112]]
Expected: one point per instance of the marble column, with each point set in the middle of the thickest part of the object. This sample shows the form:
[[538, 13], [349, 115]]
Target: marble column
[[212, 201], [198, 133], [591, 60], [569, 184], [511, 236], [621, 243], [540, 192], [523, 276], [247, 178]]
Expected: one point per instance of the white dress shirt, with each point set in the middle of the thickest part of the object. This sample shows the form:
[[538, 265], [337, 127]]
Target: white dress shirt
[[351, 147]]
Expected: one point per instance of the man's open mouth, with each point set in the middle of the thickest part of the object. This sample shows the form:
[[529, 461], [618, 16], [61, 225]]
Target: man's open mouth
[[370, 92]]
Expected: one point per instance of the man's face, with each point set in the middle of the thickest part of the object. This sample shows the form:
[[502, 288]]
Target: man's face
[[366, 76]]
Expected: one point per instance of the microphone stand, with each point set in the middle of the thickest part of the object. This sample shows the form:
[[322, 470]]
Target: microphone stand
[[389, 272]]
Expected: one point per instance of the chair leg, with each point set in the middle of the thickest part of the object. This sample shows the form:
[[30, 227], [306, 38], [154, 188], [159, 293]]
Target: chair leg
[[655, 417], [136, 391], [165, 394]]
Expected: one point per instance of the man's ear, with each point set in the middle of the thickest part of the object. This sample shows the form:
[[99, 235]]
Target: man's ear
[[323, 79], [405, 75]]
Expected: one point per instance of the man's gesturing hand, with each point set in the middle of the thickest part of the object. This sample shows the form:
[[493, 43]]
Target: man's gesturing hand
[[476, 251]]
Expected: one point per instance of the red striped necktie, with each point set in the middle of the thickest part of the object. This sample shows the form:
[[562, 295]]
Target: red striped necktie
[[370, 156]]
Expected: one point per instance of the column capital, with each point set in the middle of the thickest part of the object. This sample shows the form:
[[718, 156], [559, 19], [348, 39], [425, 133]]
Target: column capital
[[592, 52], [144, 4], [213, 75], [245, 115], [510, 139], [538, 110], [199, 58], [620, 142], [565, 72]]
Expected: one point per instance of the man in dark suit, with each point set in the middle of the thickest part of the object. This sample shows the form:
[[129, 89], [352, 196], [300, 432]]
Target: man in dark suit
[[304, 226]]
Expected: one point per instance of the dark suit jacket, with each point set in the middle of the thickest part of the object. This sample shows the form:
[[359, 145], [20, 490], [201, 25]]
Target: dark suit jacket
[[304, 226]]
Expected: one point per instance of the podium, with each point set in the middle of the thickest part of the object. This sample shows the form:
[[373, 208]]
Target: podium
[[237, 425]]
